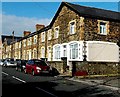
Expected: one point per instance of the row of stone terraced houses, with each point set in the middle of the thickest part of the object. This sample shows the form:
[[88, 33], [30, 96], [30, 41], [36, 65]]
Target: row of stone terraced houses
[[84, 36]]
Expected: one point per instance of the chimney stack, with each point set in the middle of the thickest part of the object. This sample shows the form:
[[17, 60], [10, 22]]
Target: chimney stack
[[26, 33], [39, 26]]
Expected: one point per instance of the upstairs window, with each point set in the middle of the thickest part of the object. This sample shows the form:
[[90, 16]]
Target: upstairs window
[[43, 36], [35, 39], [103, 28], [56, 32], [49, 34], [72, 27], [29, 41]]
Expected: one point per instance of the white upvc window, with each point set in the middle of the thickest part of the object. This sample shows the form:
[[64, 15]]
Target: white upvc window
[[72, 27], [34, 53], [57, 52], [64, 50], [73, 50], [103, 28], [56, 32], [42, 52], [24, 43], [43, 36], [49, 34], [49, 53], [29, 41], [35, 39]]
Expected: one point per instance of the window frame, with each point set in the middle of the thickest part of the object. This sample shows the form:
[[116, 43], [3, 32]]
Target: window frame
[[56, 34], [106, 27], [64, 49], [42, 52], [49, 37], [35, 38], [57, 53], [74, 50], [73, 21], [49, 53], [43, 37]]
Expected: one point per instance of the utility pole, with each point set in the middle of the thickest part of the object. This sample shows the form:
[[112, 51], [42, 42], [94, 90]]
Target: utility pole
[[12, 45]]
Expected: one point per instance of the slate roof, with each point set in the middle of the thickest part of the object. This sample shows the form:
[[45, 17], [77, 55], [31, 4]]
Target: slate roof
[[89, 12], [9, 38]]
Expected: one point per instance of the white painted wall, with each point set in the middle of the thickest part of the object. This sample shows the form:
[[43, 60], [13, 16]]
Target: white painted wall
[[98, 51]]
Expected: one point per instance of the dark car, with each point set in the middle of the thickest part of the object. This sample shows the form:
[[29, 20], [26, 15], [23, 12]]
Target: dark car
[[36, 66], [21, 65]]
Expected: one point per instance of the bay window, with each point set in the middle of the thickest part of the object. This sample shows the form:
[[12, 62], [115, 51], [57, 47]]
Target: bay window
[[73, 50], [64, 50]]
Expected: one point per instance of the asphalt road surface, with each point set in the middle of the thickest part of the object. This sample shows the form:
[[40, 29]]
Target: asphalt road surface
[[16, 83]]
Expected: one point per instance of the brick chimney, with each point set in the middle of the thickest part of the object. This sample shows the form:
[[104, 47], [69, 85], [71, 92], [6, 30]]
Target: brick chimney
[[26, 33], [39, 26]]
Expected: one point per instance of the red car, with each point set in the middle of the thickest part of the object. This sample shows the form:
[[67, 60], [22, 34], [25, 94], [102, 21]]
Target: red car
[[36, 66]]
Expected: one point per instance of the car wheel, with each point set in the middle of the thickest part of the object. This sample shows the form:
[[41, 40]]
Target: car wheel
[[5, 65], [33, 73], [25, 71]]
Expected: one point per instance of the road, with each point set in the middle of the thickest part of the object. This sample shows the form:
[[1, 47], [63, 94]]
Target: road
[[16, 83]]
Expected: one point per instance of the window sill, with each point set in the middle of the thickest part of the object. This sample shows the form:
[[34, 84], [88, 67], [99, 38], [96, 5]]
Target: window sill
[[72, 33], [102, 34]]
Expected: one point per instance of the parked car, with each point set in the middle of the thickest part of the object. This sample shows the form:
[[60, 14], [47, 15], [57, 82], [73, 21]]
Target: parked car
[[1, 62], [9, 62], [21, 65], [36, 66]]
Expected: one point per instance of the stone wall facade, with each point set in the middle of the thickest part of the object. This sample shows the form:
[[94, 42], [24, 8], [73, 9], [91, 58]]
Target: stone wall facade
[[86, 28]]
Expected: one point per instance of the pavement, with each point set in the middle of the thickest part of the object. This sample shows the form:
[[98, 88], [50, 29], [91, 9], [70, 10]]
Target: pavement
[[112, 83]]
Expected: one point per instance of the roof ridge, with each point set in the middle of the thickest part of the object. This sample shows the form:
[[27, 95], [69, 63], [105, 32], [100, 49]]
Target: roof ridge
[[68, 3]]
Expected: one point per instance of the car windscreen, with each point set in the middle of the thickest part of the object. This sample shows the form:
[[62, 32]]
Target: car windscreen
[[11, 59], [39, 62]]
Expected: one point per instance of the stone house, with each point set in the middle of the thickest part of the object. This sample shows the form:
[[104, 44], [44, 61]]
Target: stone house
[[82, 37]]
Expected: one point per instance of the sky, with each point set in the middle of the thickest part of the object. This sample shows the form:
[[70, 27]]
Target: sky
[[21, 16]]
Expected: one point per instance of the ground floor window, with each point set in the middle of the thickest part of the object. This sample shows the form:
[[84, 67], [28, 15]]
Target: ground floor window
[[49, 53], [42, 52], [56, 52], [35, 54], [73, 50]]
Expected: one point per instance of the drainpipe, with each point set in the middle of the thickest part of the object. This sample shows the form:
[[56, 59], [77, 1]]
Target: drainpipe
[[84, 51]]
